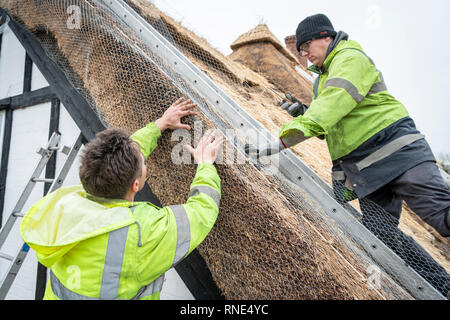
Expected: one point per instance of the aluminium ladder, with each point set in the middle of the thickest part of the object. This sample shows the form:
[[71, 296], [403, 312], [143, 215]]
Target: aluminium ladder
[[46, 154]]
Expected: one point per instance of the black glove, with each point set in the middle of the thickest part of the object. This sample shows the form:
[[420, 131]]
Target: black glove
[[293, 106], [296, 109], [269, 149], [252, 151]]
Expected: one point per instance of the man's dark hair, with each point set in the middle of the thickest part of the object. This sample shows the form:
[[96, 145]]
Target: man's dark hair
[[109, 164]]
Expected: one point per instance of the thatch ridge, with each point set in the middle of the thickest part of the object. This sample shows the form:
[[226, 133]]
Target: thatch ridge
[[261, 33]]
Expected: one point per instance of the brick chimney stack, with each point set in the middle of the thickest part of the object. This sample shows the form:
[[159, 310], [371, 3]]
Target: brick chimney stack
[[290, 44]]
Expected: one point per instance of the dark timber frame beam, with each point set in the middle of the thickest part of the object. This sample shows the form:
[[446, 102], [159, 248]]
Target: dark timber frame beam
[[50, 172], [28, 99], [193, 270], [5, 159]]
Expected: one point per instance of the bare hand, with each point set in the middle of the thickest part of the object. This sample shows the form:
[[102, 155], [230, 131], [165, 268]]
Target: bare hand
[[172, 117], [207, 149]]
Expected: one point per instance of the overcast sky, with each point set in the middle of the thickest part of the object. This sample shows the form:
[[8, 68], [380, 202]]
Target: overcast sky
[[408, 40]]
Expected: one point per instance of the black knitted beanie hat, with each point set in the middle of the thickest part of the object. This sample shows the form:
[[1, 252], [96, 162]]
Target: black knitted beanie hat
[[314, 27]]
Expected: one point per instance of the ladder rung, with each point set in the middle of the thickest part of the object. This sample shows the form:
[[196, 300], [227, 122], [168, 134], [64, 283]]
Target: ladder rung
[[42, 180], [18, 214], [6, 256], [44, 152], [66, 150]]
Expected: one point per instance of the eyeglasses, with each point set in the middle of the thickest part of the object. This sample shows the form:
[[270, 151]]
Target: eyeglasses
[[304, 47]]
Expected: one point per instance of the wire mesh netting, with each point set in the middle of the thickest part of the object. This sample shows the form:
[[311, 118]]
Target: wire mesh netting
[[386, 228], [271, 240]]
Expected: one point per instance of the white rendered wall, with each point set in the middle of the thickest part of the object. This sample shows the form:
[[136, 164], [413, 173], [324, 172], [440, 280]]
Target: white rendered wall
[[30, 129], [29, 133], [37, 80], [12, 65]]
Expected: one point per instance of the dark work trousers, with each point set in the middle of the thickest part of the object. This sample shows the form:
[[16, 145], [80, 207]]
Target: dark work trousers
[[426, 193]]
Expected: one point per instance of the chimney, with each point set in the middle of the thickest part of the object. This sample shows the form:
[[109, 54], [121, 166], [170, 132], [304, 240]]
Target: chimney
[[290, 44]]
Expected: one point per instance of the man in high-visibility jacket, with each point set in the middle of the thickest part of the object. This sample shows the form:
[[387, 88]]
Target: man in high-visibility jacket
[[377, 152], [98, 242]]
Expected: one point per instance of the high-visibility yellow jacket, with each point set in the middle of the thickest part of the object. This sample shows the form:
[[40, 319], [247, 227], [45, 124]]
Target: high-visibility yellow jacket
[[351, 102], [114, 249], [370, 136]]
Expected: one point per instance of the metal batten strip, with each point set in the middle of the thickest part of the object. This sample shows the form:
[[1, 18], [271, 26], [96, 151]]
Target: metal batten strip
[[290, 166]]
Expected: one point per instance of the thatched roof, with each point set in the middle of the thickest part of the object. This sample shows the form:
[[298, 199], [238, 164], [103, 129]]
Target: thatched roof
[[262, 246], [261, 33]]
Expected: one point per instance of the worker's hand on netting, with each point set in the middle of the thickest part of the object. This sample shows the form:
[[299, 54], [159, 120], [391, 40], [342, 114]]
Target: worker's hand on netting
[[207, 149], [172, 117]]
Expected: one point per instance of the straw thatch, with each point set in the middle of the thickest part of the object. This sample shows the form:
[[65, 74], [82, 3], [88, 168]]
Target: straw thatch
[[261, 33], [269, 241], [260, 51]]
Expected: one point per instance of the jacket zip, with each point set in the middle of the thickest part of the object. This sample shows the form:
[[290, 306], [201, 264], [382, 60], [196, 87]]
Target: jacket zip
[[139, 230], [139, 227]]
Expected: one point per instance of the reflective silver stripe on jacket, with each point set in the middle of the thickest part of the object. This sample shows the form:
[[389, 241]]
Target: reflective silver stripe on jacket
[[152, 288], [63, 293], [377, 87], [206, 190], [111, 272], [388, 149], [181, 250], [113, 264], [316, 87], [183, 224], [183, 233], [350, 88], [347, 86]]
